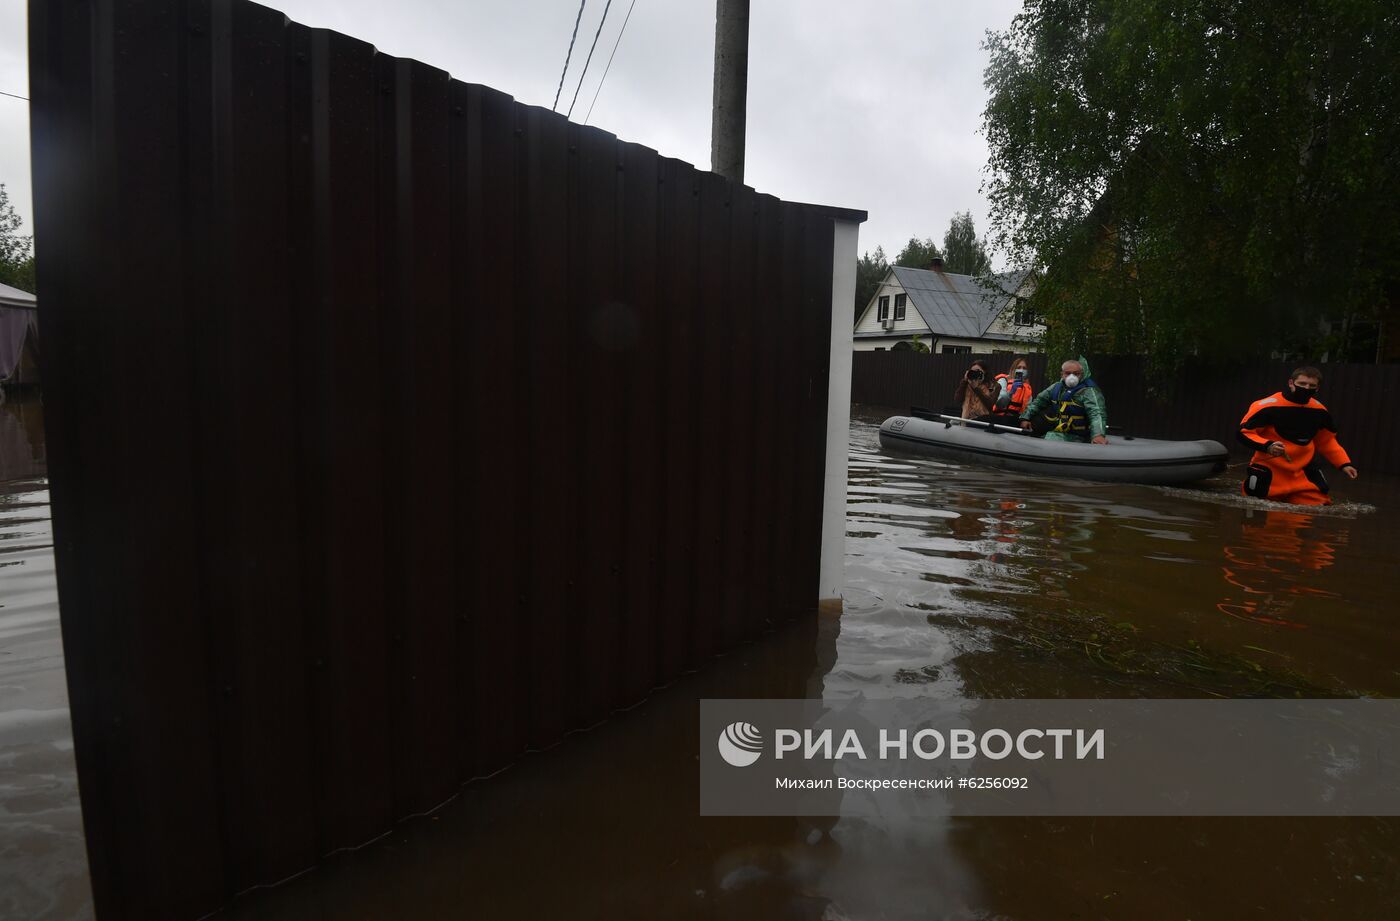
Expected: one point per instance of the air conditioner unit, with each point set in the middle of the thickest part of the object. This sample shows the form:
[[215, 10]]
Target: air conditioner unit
[[887, 323]]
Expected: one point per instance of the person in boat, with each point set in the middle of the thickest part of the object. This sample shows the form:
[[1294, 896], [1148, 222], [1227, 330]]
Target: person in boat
[[974, 396], [1288, 430], [1014, 394], [1072, 408]]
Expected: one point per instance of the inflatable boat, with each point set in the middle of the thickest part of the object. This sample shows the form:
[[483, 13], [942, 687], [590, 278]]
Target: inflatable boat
[[1123, 460]]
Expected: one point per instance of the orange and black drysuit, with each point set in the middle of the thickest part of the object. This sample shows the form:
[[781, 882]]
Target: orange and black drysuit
[[1305, 430]]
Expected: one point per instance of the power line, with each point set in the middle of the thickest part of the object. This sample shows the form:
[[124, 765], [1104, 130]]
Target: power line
[[13, 96], [625, 20], [590, 57], [569, 54]]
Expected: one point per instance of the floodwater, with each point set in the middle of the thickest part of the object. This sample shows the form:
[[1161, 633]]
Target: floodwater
[[43, 868], [961, 582]]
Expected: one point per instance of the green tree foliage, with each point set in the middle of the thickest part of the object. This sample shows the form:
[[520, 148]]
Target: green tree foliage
[[917, 253], [19, 275], [16, 261], [963, 252], [870, 271], [1214, 177]]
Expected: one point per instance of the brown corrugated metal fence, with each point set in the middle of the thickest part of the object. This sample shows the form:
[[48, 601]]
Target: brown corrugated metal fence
[[395, 428], [1198, 402]]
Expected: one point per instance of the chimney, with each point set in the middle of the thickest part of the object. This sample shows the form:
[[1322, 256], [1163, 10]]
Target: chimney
[[936, 264]]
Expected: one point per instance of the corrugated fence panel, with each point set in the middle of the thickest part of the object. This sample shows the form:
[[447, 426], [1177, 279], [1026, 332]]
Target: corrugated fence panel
[[65, 54], [815, 338], [769, 341], [1345, 397], [251, 525], [547, 499], [642, 346], [152, 597], [600, 404], [487, 548], [736, 599], [1197, 403], [712, 383], [460, 427], [678, 246], [416, 333], [351, 676], [799, 384], [792, 395]]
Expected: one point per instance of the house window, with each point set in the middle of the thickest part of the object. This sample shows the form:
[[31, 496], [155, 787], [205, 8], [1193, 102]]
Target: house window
[[883, 311], [899, 305], [957, 350], [1024, 315]]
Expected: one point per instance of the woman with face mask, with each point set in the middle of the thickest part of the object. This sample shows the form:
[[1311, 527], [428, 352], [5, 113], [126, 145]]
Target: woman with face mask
[[974, 395], [1014, 394], [1072, 408]]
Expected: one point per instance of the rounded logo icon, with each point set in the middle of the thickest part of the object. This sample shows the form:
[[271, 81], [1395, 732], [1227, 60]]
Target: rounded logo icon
[[740, 744]]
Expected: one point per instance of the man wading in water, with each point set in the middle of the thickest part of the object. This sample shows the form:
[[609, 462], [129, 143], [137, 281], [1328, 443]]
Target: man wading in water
[[1287, 431]]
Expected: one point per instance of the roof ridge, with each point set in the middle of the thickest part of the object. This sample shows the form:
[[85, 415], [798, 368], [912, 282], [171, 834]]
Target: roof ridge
[[910, 268]]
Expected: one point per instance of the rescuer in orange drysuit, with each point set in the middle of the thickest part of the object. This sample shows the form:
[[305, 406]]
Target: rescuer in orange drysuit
[[1287, 431]]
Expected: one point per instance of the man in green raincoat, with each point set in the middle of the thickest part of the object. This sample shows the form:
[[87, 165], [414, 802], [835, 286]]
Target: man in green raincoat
[[1072, 408]]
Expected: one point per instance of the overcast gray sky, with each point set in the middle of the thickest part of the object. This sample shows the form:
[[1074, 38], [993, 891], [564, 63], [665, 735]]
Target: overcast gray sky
[[873, 105]]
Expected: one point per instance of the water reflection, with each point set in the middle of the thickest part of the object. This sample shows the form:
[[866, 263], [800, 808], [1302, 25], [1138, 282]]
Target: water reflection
[[21, 439], [1270, 566], [43, 867]]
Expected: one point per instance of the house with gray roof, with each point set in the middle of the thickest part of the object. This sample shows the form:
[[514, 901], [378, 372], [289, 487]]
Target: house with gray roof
[[19, 337], [949, 312]]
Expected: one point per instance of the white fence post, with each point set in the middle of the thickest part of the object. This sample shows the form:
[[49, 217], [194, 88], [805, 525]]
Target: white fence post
[[838, 413]]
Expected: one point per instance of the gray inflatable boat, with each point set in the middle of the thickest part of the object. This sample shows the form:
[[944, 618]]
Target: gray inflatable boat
[[1122, 460]]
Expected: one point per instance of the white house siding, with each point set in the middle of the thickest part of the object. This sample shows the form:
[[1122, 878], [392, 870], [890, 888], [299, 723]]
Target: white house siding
[[1005, 324], [869, 320], [984, 346], [888, 342]]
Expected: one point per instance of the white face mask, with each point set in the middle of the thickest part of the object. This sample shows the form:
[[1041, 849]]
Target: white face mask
[[1071, 380]]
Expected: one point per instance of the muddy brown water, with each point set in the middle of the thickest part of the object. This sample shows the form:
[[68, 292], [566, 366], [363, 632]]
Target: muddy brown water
[[960, 582]]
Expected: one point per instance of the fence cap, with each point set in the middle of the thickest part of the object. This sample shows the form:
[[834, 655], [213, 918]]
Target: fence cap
[[840, 214]]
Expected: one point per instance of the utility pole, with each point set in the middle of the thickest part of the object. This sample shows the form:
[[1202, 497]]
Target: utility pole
[[731, 88]]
